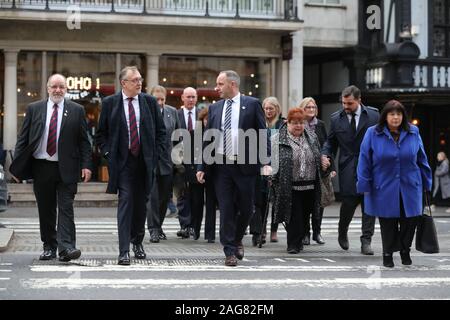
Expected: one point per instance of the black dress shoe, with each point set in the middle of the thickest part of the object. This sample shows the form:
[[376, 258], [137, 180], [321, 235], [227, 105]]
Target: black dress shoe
[[183, 233], [366, 249], [162, 235], [343, 241], [154, 237], [306, 241], [139, 252], [211, 241], [240, 251], [318, 238], [293, 250], [69, 254], [124, 259], [231, 261], [48, 254], [406, 258], [388, 261]]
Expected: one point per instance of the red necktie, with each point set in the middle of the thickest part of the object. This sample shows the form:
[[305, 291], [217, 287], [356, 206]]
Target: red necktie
[[134, 137], [189, 121], [52, 130]]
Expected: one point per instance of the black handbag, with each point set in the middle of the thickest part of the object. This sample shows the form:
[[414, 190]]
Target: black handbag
[[426, 235]]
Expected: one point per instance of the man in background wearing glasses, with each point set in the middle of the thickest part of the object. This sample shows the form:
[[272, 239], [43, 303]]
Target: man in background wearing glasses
[[131, 136]]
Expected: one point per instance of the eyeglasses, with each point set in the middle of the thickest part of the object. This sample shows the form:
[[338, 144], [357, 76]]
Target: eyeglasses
[[135, 80], [311, 107], [57, 87]]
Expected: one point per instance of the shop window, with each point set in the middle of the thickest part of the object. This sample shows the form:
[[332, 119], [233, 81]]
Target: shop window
[[441, 28], [179, 72]]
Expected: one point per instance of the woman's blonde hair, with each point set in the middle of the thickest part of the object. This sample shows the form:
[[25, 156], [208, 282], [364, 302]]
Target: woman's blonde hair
[[305, 102], [273, 101]]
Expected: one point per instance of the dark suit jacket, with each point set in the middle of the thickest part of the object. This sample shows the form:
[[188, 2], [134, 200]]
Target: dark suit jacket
[[171, 123], [190, 157], [340, 137], [251, 116], [112, 136], [74, 149]]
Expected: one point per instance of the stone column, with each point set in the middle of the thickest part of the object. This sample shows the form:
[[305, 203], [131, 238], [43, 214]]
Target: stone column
[[44, 75], [296, 70], [10, 106], [117, 86], [152, 71]]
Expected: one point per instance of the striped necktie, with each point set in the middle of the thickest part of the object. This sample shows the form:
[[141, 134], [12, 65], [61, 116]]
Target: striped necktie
[[52, 130], [227, 141], [134, 137]]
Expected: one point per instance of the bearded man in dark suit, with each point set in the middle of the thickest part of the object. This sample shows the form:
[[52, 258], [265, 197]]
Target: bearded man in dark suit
[[53, 149]]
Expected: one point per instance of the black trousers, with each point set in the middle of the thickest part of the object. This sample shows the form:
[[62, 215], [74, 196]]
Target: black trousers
[[302, 207], [210, 210], [397, 233], [131, 210], [157, 205], [316, 222], [347, 211], [50, 192], [235, 194]]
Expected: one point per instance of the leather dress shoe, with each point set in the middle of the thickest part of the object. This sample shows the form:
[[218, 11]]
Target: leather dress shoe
[[124, 259], [240, 251], [293, 250], [318, 238], [48, 254], [162, 235], [306, 241], [231, 261], [366, 249], [406, 258], [69, 254], [139, 252], [388, 261], [154, 237], [343, 241], [183, 233], [211, 241]]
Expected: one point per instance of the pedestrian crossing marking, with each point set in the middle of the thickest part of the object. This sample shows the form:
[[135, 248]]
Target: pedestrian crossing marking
[[373, 282]]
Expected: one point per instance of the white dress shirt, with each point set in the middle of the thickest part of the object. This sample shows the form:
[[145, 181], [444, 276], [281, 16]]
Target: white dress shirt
[[186, 117], [357, 116], [235, 110], [137, 112], [41, 151]]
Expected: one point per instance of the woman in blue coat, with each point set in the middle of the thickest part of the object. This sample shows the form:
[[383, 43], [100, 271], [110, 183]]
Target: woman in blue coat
[[393, 172]]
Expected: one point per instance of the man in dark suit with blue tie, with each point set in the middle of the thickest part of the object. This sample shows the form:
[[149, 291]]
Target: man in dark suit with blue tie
[[131, 136], [347, 129], [233, 172], [53, 149]]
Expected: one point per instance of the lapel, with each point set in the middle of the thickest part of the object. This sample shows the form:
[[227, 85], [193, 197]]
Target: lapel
[[42, 114], [181, 118], [219, 111], [143, 106], [242, 112], [344, 124], [66, 113], [363, 120], [120, 109]]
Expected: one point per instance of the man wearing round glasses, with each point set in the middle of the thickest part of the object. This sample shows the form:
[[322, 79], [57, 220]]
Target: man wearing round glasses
[[131, 136]]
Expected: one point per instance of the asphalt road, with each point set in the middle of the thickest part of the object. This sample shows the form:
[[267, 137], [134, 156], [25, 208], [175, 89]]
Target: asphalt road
[[178, 269]]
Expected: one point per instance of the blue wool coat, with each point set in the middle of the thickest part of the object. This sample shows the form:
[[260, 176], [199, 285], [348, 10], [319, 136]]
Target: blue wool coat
[[387, 170]]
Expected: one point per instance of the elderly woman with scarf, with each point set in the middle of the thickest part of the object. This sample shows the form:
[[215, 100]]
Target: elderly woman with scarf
[[296, 178]]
